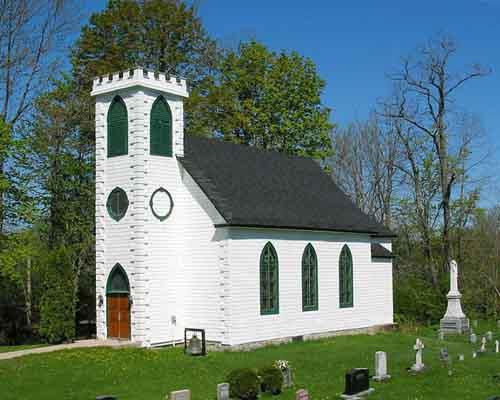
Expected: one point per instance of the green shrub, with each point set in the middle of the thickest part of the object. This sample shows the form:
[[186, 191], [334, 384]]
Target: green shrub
[[57, 308], [271, 379], [244, 384]]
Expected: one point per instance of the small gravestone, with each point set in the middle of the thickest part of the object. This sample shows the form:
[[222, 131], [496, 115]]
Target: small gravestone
[[489, 336], [419, 349], [357, 383], [473, 338], [444, 355], [461, 357], [381, 366], [302, 394], [497, 346], [474, 354], [223, 391], [287, 377], [483, 345], [180, 395]]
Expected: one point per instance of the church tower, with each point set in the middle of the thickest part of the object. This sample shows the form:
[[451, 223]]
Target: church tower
[[139, 137]]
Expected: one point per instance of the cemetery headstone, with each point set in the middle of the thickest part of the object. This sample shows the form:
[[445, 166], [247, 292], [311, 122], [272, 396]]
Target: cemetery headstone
[[461, 357], [497, 346], [357, 383], [180, 395], [444, 355], [483, 345], [223, 391], [287, 378], [473, 338], [302, 394], [381, 366], [419, 348], [474, 354], [489, 336]]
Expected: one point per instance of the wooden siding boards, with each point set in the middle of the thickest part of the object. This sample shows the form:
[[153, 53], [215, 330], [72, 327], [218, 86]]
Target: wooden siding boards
[[372, 285]]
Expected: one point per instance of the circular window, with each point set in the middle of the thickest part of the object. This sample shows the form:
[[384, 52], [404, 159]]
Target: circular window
[[117, 203], [161, 204]]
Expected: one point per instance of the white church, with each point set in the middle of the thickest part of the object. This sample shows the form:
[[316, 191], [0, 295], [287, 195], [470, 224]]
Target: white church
[[252, 246]]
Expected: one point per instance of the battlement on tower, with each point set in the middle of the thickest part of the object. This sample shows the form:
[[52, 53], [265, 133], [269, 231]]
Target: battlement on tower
[[139, 77]]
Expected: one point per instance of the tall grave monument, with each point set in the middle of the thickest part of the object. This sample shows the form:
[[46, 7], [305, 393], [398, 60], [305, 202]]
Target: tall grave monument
[[454, 321]]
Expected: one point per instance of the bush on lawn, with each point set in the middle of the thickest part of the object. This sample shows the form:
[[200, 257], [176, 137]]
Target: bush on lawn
[[271, 379], [244, 384], [57, 308]]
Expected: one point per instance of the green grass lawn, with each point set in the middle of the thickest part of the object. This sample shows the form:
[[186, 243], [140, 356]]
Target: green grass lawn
[[138, 374], [5, 349]]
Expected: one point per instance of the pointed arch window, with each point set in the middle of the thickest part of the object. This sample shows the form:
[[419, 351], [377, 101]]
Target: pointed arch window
[[117, 128], [346, 278], [309, 279], [269, 281], [160, 136], [117, 281]]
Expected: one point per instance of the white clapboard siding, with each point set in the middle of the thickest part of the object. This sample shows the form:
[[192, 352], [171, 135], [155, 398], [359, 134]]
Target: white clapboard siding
[[372, 285]]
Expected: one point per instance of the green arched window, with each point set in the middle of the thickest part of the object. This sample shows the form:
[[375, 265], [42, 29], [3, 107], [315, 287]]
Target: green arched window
[[269, 281], [117, 281], [309, 279], [345, 278], [160, 137], [117, 128]]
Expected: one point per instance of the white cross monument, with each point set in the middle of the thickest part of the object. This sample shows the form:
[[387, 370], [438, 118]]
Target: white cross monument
[[419, 349], [454, 321]]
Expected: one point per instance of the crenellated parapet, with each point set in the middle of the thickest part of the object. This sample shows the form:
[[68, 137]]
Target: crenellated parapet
[[139, 77]]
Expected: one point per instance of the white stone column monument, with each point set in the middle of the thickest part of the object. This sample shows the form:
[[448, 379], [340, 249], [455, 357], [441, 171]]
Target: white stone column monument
[[454, 320]]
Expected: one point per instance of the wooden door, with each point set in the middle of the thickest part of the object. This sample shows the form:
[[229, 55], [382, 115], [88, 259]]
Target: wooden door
[[118, 316]]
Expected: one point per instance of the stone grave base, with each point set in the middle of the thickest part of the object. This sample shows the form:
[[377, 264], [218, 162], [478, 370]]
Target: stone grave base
[[454, 325], [414, 370], [357, 396], [381, 378]]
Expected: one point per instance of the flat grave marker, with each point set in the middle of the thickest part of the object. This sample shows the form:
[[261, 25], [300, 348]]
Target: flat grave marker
[[180, 395]]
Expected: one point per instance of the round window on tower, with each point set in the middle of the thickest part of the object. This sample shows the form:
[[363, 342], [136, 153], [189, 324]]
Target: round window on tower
[[117, 203], [161, 204]]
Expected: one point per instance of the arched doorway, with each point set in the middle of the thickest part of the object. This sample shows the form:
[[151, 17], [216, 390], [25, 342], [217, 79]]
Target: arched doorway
[[118, 304]]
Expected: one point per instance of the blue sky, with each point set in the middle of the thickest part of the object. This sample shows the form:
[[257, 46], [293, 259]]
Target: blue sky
[[356, 43]]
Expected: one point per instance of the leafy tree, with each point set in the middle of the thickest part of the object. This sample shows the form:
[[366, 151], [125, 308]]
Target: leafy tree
[[163, 35], [32, 34], [270, 100], [59, 161]]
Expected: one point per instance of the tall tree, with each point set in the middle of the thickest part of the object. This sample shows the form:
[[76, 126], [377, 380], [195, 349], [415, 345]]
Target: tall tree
[[364, 165], [31, 35], [59, 161], [270, 100], [163, 35], [425, 102]]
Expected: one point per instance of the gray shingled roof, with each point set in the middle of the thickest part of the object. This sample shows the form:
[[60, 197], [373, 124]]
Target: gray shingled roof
[[256, 188], [379, 251]]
